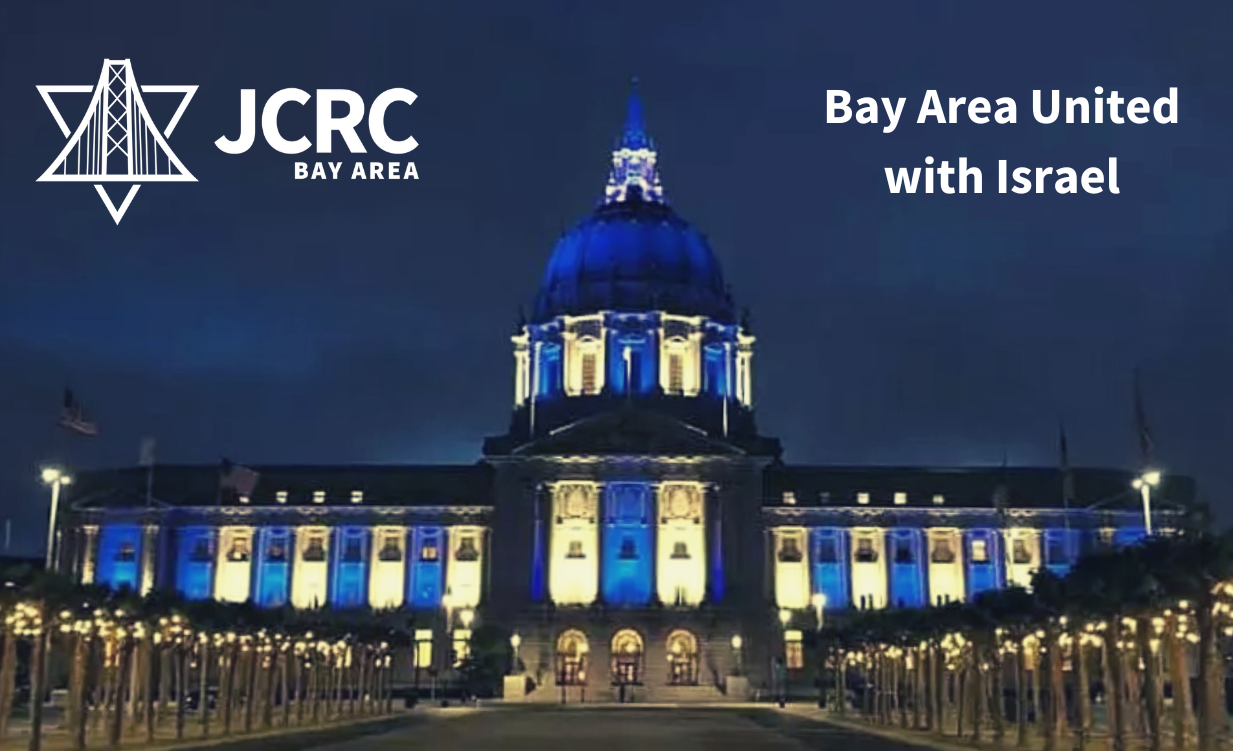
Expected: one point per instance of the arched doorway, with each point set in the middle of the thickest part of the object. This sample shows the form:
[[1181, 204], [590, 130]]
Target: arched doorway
[[682, 658], [627, 658], [571, 658]]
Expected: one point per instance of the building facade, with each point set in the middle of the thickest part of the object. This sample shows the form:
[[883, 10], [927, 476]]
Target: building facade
[[633, 527]]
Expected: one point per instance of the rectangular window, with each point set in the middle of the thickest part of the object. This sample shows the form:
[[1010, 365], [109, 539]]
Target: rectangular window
[[466, 549], [865, 552], [589, 384], [202, 552], [901, 499], [353, 549], [862, 499], [789, 498], [462, 645], [240, 550], [428, 552], [1021, 553], [318, 496], [828, 550], [942, 552], [127, 553], [680, 552], [629, 551], [794, 650], [980, 551], [676, 373], [314, 550], [276, 551], [1057, 550], [904, 552], [391, 548], [825, 498], [790, 550], [938, 500], [281, 496], [575, 550], [423, 648], [357, 496]]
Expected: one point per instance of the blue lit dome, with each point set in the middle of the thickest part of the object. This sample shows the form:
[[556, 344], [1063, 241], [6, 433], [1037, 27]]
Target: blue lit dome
[[633, 254]]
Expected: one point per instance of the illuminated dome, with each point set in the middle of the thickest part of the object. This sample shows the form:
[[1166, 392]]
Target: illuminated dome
[[633, 254]]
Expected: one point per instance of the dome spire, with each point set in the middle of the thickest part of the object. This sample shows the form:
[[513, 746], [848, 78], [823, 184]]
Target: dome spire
[[633, 160]]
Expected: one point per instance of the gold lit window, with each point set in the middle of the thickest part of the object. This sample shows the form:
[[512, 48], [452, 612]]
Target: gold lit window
[[357, 496], [466, 549], [980, 551], [1021, 553], [865, 552], [862, 499], [901, 499], [462, 645], [589, 367], [790, 550], [794, 650], [314, 550], [318, 496], [391, 547], [575, 549], [281, 496], [423, 648], [240, 550], [428, 552], [942, 552], [676, 373]]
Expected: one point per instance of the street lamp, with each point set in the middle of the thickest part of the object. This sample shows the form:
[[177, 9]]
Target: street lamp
[[1144, 484], [737, 643], [819, 602], [515, 641], [54, 477]]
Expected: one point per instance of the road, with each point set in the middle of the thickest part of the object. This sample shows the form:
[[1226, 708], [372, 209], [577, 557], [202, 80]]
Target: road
[[617, 729]]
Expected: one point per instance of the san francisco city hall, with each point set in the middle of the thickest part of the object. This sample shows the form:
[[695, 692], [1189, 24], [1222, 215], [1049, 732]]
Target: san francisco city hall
[[634, 528]]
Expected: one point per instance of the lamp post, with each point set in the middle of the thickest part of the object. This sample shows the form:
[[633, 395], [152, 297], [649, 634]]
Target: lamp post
[[737, 643], [1144, 484], [781, 667], [54, 477], [819, 603], [447, 603], [515, 641], [582, 678]]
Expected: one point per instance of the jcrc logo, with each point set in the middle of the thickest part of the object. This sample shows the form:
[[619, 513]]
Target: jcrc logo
[[327, 125]]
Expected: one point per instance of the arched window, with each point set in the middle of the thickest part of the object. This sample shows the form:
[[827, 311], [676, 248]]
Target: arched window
[[571, 658], [682, 658], [627, 657]]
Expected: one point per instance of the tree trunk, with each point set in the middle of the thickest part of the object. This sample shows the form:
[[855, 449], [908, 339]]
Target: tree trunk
[[252, 665], [1083, 695], [841, 689], [271, 688], [938, 676], [997, 711], [900, 668], [124, 662], [38, 684], [314, 687], [203, 685], [227, 694], [978, 695], [1149, 650], [1055, 717], [918, 689], [1115, 691], [1034, 664], [301, 686], [1213, 717], [963, 688], [1179, 675], [147, 688], [166, 667], [284, 684], [1021, 685], [8, 681], [182, 667], [77, 691]]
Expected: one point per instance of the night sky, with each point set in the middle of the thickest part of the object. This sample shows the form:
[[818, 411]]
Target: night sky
[[253, 316]]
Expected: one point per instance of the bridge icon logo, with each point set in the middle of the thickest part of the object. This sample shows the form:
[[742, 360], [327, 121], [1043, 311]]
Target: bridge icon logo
[[117, 141]]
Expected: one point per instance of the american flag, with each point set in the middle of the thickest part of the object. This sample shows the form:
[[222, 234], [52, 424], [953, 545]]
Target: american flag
[[73, 417], [238, 478]]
